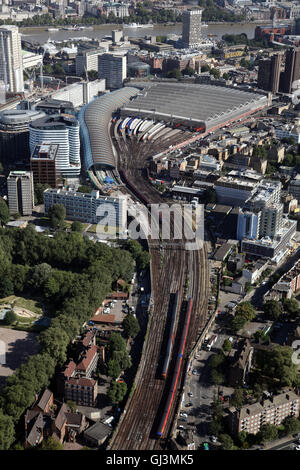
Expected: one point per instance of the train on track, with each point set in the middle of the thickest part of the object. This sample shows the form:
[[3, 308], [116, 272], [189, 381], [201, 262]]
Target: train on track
[[133, 188], [172, 392], [171, 337]]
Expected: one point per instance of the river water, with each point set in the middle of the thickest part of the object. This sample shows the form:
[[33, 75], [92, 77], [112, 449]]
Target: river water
[[41, 35]]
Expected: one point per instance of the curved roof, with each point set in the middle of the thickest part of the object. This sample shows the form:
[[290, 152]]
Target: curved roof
[[94, 119]]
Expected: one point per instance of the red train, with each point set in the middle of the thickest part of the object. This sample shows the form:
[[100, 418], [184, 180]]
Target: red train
[[173, 388], [171, 337]]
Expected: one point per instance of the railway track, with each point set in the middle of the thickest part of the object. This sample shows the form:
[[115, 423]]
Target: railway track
[[137, 431]]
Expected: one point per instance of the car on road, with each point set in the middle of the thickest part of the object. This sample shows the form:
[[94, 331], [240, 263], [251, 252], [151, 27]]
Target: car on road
[[181, 427], [194, 372], [213, 438], [184, 415], [190, 394]]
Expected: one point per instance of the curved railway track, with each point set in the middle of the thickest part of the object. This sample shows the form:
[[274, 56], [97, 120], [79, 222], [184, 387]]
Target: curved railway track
[[137, 430]]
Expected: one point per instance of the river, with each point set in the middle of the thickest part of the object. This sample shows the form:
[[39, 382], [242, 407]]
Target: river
[[41, 35]]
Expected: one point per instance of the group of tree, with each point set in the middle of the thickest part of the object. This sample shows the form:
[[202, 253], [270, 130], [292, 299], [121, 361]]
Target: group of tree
[[118, 358], [141, 257], [4, 212], [72, 275], [217, 364], [244, 313], [130, 326], [277, 366], [289, 308], [213, 12]]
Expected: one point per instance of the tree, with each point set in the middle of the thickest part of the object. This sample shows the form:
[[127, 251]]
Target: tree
[[188, 71], [10, 318], [246, 310], [131, 326], [40, 275], [39, 192], [57, 215], [113, 368], [215, 72], [4, 212], [216, 360], [217, 378], [84, 189], [272, 309], [226, 441], [291, 307], [117, 392], [291, 425], [175, 73], [7, 431], [237, 399], [116, 343], [225, 76], [268, 432], [51, 444], [76, 226]]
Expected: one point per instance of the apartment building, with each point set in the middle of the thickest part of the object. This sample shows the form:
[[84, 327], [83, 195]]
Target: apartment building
[[274, 410], [82, 391]]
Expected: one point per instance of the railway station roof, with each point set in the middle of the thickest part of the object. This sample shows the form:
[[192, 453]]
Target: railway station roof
[[194, 103]]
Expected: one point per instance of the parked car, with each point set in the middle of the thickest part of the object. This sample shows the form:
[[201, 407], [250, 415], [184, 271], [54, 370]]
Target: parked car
[[213, 438]]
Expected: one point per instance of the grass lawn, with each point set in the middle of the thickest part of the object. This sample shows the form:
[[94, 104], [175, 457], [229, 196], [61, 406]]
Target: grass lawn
[[29, 304]]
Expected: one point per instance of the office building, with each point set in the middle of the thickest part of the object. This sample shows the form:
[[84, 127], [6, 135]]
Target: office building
[[11, 64], [86, 207], [20, 192], [269, 73], [62, 130], [292, 70], [42, 164], [274, 410], [112, 67], [191, 27]]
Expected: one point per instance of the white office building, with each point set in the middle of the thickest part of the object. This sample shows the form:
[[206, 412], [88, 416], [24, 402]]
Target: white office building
[[11, 62], [86, 61], [87, 207], [64, 131], [112, 67]]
